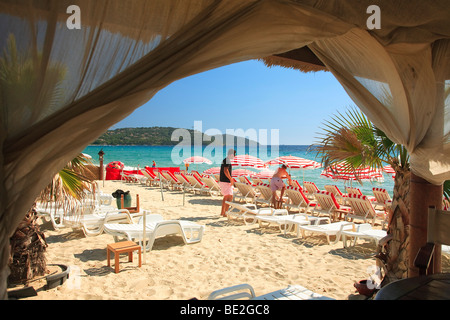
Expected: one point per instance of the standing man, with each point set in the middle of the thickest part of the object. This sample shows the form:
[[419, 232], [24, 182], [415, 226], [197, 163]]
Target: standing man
[[276, 183], [226, 181]]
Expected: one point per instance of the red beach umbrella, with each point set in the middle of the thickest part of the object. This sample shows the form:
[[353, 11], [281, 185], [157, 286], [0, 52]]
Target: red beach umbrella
[[343, 172], [293, 162], [246, 160], [241, 172], [197, 159], [265, 174], [214, 170]]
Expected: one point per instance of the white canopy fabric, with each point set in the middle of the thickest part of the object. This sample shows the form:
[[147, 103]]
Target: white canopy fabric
[[61, 88]]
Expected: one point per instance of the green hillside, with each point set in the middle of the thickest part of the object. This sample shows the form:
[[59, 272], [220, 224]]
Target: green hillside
[[159, 136]]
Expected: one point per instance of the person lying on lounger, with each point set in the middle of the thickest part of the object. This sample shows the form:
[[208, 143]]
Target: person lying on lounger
[[276, 183]]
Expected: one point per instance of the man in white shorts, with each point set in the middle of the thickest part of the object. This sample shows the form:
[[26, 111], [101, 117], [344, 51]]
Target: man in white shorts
[[226, 181]]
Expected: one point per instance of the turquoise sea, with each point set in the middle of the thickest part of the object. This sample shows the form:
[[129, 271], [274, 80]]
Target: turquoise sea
[[172, 156]]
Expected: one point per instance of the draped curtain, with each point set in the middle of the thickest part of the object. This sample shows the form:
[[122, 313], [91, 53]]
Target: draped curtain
[[61, 88]]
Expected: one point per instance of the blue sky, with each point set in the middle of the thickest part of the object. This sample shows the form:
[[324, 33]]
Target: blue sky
[[247, 96]]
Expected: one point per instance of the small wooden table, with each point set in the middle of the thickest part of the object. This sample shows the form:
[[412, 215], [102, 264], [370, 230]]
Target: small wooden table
[[122, 247], [432, 287]]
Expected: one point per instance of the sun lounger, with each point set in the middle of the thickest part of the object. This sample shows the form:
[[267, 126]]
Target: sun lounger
[[152, 179], [357, 191], [245, 192], [340, 197], [364, 231], [249, 211], [327, 204], [210, 185], [265, 194], [331, 229], [382, 198], [286, 221], [156, 227], [246, 291], [93, 224], [194, 183], [362, 208], [311, 189], [48, 211], [172, 180], [298, 200]]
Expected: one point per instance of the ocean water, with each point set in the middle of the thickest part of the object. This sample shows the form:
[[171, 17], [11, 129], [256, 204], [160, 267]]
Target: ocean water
[[172, 156]]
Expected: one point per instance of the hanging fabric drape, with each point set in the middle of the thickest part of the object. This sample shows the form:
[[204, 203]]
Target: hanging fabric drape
[[61, 88]]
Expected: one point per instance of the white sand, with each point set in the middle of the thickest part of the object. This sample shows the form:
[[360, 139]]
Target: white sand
[[230, 253]]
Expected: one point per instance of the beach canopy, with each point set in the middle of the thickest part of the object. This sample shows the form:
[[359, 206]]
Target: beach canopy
[[293, 162], [81, 66], [246, 160]]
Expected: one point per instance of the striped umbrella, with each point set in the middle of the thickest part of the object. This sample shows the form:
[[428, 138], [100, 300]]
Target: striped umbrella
[[196, 159], [346, 173], [214, 170], [389, 169], [293, 162], [241, 172], [264, 174], [246, 160]]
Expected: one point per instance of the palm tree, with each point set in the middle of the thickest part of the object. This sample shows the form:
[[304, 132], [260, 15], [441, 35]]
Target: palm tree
[[66, 190], [352, 138]]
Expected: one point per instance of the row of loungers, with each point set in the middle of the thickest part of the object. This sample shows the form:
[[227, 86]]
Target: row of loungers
[[320, 202]]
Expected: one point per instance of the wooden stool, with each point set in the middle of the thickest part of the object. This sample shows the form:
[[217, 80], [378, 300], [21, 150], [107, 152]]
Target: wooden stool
[[122, 247]]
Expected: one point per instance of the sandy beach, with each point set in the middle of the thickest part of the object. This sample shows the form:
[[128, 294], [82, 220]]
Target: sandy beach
[[230, 253]]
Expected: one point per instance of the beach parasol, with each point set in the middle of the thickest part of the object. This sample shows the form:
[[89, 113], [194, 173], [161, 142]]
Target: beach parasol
[[214, 170], [246, 160], [197, 159], [389, 169], [344, 172], [264, 174], [115, 165], [241, 172], [293, 162]]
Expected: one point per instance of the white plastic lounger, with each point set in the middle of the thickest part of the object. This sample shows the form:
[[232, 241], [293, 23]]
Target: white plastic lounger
[[191, 232], [364, 231], [245, 291], [249, 211], [330, 229], [93, 224], [287, 221]]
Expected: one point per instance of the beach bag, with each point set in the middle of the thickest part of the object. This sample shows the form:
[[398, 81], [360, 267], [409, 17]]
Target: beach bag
[[126, 198]]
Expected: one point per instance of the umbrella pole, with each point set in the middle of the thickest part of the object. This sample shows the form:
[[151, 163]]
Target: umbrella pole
[[160, 186], [144, 245]]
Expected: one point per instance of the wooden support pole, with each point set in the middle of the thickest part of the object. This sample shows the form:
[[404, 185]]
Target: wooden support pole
[[422, 195]]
